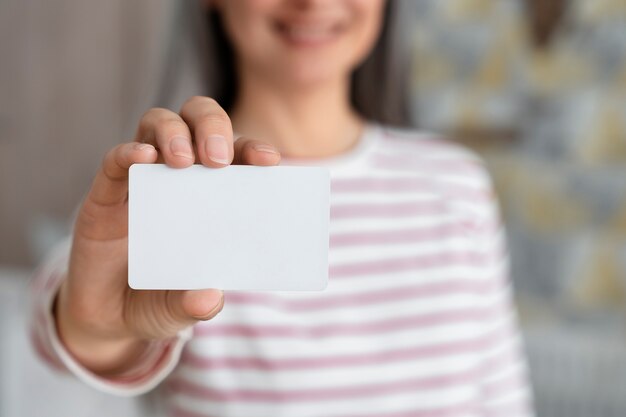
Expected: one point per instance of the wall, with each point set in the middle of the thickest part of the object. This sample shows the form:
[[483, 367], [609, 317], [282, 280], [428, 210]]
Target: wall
[[72, 76], [550, 121]]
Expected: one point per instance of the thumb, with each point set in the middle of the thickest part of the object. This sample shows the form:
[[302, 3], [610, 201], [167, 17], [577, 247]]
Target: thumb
[[200, 304], [162, 314]]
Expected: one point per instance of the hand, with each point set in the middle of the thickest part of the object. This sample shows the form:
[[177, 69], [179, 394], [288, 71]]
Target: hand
[[102, 321]]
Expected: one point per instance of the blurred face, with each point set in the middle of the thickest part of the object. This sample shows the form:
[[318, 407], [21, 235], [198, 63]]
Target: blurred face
[[301, 42]]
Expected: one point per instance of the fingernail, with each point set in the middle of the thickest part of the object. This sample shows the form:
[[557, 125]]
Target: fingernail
[[217, 149], [265, 148], [213, 311], [180, 146], [143, 146]]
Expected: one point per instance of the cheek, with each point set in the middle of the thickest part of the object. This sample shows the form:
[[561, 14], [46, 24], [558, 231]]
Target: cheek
[[245, 22], [368, 16]]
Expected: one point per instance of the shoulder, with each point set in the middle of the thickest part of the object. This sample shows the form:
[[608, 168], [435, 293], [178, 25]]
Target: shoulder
[[429, 153], [458, 174]]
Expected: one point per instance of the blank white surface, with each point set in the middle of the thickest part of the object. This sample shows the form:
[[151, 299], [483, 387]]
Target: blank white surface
[[233, 228]]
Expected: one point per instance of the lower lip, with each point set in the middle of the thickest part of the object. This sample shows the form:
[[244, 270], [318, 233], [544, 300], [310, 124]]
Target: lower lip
[[308, 41]]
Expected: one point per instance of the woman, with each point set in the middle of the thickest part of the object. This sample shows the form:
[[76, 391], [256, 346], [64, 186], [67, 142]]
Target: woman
[[416, 319]]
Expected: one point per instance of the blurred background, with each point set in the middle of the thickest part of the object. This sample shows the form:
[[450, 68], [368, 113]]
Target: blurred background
[[537, 87]]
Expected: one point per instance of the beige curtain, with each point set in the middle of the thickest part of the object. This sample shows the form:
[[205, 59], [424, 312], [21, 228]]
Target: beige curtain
[[74, 77]]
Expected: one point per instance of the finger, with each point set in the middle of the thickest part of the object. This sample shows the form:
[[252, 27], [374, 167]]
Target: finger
[[255, 152], [202, 304], [160, 314], [212, 130], [110, 187], [167, 131]]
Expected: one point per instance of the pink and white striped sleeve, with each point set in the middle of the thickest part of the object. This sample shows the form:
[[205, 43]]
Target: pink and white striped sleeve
[[503, 370], [155, 364]]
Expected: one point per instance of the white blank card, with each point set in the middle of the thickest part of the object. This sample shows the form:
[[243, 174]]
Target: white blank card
[[233, 228]]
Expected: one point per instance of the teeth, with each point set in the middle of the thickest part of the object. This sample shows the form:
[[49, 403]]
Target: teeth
[[308, 33]]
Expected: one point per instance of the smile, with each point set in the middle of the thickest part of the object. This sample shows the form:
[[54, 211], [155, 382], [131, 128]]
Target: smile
[[309, 34]]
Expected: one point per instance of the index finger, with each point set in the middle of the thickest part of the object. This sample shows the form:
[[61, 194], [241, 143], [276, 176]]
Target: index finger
[[110, 186]]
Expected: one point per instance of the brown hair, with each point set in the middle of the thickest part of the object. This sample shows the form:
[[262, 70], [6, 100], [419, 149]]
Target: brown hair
[[200, 49]]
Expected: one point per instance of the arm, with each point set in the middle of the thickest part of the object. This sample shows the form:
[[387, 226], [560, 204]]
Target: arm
[[87, 319], [503, 371], [154, 363]]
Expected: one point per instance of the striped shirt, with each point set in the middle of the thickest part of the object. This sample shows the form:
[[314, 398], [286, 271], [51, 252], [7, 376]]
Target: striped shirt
[[417, 319]]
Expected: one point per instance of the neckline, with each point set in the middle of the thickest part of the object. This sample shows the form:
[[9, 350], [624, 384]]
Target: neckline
[[359, 151]]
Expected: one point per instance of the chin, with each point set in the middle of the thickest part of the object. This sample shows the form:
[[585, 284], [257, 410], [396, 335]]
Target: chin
[[308, 68], [313, 74]]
